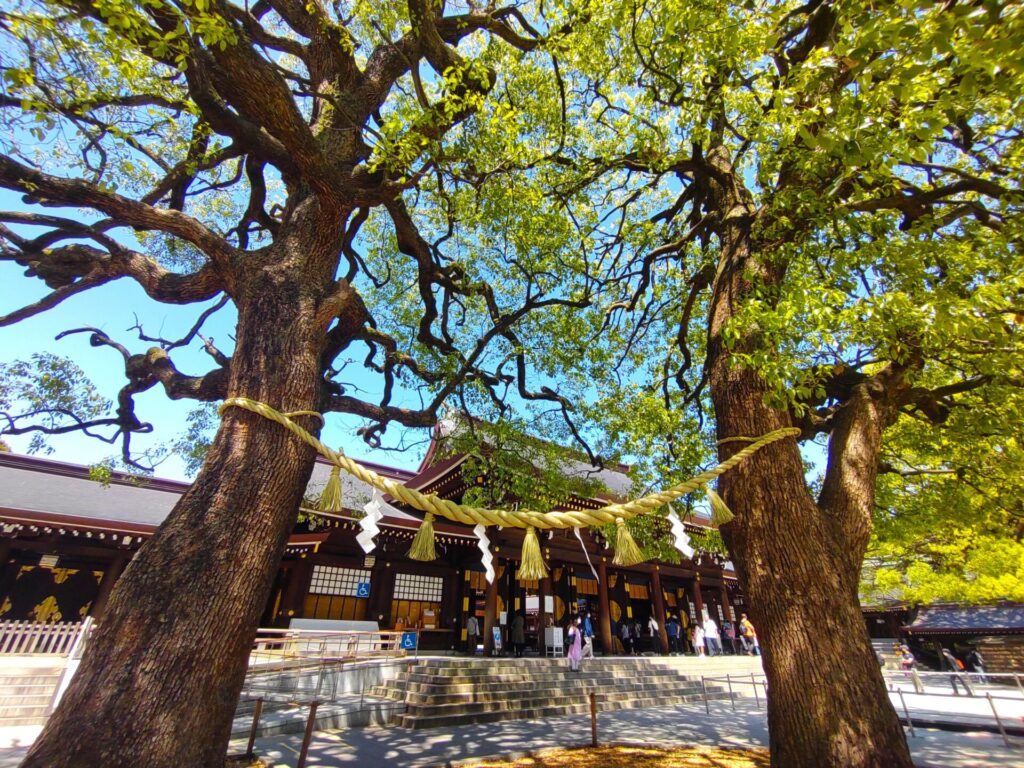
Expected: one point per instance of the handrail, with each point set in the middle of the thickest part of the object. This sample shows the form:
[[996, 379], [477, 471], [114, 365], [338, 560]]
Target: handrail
[[39, 638], [274, 646]]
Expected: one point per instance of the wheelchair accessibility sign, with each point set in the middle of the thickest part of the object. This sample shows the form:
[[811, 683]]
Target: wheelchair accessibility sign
[[408, 641], [363, 589]]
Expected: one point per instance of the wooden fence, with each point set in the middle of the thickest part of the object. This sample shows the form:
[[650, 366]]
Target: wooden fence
[[29, 637]]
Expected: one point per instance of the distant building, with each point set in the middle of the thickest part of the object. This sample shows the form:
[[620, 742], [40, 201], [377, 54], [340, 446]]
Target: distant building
[[995, 630]]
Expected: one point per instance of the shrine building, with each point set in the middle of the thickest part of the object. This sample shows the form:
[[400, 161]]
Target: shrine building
[[65, 539]]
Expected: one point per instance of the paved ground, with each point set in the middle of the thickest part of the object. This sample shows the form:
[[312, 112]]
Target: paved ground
[[939, 704], [687, 724], [745, 727]]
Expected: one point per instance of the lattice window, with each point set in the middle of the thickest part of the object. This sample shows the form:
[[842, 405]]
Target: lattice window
[[586, 586], [412, 587], [328, 580]]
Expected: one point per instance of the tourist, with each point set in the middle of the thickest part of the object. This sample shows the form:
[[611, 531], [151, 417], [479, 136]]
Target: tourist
[[730, 634], [672, 629], [575, 652], [625, 634], [518, 635], [956, 668], [711, 637], [652, 625], [698, 639], [748, 636], [636, 638], [588, 637], [977, 664], [908, 663], [472, 633]]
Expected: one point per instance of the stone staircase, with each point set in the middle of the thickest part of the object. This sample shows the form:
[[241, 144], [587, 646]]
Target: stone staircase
[[26, 693], [446, 692]]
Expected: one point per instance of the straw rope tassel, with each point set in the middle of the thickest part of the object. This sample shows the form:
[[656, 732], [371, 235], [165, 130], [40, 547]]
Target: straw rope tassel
[[423, 545], [720, 512], [626, 550], [330, 496], [531, 565]]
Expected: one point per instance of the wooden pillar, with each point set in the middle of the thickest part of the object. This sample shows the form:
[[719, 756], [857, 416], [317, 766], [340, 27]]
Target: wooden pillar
[[659, 609], [451, 609], [491, 609], [378, 606], [544, 588], [110, 577], [730, 616], [464, 609], [698, 601], [5, 555], [606, 619], [727, 611], [295, 592]]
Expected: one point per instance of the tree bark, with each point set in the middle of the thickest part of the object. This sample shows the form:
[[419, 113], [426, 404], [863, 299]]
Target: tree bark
[[161, 676], [798, 562]]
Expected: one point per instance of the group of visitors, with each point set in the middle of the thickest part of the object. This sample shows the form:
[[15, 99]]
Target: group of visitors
[[957, 669], [705, 638]]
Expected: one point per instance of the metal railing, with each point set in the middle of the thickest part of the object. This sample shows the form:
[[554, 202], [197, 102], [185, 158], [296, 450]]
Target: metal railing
[[283, 646], [999, 697], [260, 706], [36, 638]]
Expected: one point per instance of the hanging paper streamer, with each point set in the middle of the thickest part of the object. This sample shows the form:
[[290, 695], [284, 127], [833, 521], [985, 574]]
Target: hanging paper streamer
[[368, 525], [586, 554], [681, 536], [486, 558]]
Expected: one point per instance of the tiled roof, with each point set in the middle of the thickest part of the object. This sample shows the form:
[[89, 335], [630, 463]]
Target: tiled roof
[[978, 619]]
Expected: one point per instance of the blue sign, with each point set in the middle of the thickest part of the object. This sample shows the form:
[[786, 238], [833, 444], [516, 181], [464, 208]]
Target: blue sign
[[363, 589], [408, 641]]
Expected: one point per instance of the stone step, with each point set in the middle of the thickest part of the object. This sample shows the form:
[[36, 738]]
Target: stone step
[[553, 674], [548, 683], [550, 692], [579, 708], [532, 700], [487, 666], [527, 688]]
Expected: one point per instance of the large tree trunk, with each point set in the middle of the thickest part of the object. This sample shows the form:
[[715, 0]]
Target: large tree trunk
[[799, 561], [161, 676]]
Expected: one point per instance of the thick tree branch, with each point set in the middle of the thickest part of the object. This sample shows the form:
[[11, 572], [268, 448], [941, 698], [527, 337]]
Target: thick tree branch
[[53, 190]]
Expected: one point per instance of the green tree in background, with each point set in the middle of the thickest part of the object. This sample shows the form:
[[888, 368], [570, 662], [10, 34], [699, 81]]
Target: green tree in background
[[840, 252]]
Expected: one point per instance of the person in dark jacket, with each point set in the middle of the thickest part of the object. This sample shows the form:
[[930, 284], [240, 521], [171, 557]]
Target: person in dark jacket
[[518, 635], [977, 664], [956, 668], [673, 630]]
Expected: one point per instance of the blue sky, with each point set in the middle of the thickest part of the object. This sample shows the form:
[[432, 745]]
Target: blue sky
[[113, 308]]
